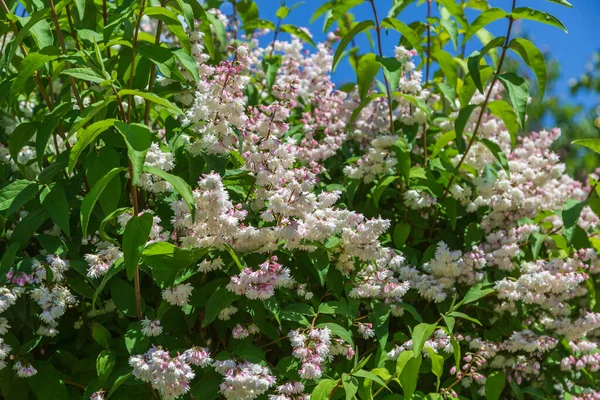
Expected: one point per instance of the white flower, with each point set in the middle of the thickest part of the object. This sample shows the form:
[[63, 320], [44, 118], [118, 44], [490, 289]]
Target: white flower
[[151, 328], [178, 295]]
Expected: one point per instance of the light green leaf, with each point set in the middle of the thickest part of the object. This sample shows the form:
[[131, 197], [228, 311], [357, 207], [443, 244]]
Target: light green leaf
[[29, 66], [31, 22], [487, 17], [323, 389], [173, 23], [87, 137], [401, 233], [534, 58], [538, 16], [410, 376], [137, 232], [101, 335], [298, 32], [517, 90], [92, 197], [494, 385], [420, 335], [338, 331], [16, 194], [437, 365], [153, 98], [592, 144], [179, 184], [381, 186], [105, 363], [506, 113], [562, 2], [461, 122], [447, 65], [138, 138], [350, 385], [85, 74], [457, 314], [406, 31], [339, 51]]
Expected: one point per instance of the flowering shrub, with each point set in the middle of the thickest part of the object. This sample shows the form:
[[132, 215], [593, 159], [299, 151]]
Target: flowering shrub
[[191, 208]]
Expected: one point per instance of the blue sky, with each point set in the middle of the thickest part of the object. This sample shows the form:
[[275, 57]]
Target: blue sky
[[572, 50]]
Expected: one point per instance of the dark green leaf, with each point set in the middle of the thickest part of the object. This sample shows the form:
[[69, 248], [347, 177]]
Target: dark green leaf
[[506, 113], [137, 232], [56, 205], [494, 385], [91, 198], [516, 87], [138, 138], [348, 37], [534, 58]]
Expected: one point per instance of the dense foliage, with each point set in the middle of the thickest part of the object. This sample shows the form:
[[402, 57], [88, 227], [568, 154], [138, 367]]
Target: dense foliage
[[190, 208]]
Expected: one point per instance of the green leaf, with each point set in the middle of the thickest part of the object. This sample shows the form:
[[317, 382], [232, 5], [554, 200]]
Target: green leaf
[[27, 227], [570, 215], [461, 122], [300, 33], [137, 232], [447, 65], [486, 17], [437, 365], [188, 62], [16, 194], [87, 137], [348, 37], [167, 261], [28, 67], [392, 70], [475, 293], [494, 385], [450, 26], [350, 385], [271, 66], [45, 129], [323, 389], [101, 335], [138, 138], [516, 87], [420, 335], [178, 184], [410, 376], [401, 233], [20, 137], [85, 74], [91, 198], [562, 2], [173, 23], [370, 375], [31, 22], [120, 380], [8, 259], [407, 32], [105, 363], [442, 141], [338, 331], [153, 98], [217, 302], [538, 16], [495, 149], [474, 60], [56, 205], [592, 144], [47, 383], [464, 316], [506, 113], [381, 186], [534, 59]]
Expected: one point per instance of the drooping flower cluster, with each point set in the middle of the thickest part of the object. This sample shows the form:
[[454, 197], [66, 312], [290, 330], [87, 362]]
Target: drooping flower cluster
[[243, 381]]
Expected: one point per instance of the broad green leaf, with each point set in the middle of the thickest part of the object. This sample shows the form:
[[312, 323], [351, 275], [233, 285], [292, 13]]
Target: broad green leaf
[[85, 74], [538, 16], [47, 384], [298, 32], [562, 2], [8, 259], [87, 137], [487, 17], [570, 215], [448, 92], [475, 293], [370, 375], [447, 65], [380, 188], [188, 62], [135, 341], [31, 22], [137, 232], [410, 376], [401, 233], [27, 227], [457, 314], [90, 112], [437, 365], [420, 335], [170, 18], [494, 385], [179, 184], [101, 335], [407, 32], [271, 66], [592, 144], [123, 295], [534, 58], [461, 122], [450, 26], [91, 198], [120, 380], [105, 363], [47, 127], [506, 113], [57, 206], [166, 261], [323, 389], [348, 37], [20, 137], [138, 138], [217, 302], [392, 69], [474, 60], [350, 385], [495, 149], [153, 98], [29, 66], [516, 87], [16, 194], [338, 331]]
